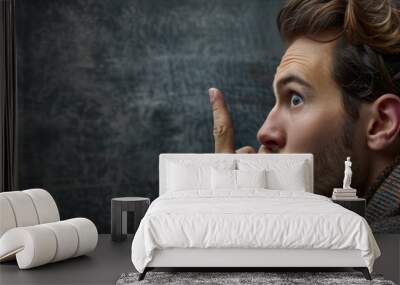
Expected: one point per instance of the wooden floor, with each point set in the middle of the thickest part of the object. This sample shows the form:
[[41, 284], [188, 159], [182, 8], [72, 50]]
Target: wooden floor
[[110, 259]]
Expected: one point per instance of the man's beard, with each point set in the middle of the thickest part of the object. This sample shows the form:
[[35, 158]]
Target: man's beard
[[329, 161]]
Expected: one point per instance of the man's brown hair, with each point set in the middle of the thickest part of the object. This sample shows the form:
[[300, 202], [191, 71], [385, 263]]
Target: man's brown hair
[[366, 61]]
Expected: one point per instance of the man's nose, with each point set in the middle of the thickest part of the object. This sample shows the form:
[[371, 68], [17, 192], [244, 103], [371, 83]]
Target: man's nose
[[271, 134]]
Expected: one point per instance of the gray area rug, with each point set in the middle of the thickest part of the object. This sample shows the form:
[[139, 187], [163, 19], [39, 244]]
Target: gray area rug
[[225, 278]]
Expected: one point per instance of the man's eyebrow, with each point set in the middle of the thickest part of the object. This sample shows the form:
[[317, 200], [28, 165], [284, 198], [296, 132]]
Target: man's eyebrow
[[293, 78]]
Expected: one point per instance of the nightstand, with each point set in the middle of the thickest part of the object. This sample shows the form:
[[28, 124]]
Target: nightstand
[[119, 208], [356, 205]]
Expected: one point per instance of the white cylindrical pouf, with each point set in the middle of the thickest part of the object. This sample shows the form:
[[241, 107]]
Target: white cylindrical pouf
[[23, 207], [7, 218], [87, 234], [45, 205]]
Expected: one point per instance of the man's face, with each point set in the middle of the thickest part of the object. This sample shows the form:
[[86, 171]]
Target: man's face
[[308, 116]]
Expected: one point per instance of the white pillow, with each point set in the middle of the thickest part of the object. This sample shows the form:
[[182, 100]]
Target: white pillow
[[181, 177], [187, 174], [281, 174], [293, 178], [251, 178], [223, 179]]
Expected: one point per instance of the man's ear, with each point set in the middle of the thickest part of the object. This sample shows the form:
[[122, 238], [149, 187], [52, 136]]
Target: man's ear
[[384, 124]]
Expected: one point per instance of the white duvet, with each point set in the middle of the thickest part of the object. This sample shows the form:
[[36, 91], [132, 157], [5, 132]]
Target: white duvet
[[250, 219]]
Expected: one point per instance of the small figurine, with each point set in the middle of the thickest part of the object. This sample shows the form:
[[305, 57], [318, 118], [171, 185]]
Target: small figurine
[[347, 174], [345, 193]]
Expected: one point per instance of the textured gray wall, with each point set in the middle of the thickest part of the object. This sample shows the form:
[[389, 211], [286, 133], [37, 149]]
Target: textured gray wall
[[105, 86]]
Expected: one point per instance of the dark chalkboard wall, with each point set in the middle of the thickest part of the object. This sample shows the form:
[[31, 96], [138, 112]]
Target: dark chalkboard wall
[[105, 86]]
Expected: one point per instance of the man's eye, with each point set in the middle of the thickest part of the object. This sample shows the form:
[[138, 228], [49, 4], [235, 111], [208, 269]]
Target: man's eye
[[296, 99]]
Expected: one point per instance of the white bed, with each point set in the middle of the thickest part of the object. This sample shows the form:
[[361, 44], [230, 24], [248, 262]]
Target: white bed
[[282, 224]]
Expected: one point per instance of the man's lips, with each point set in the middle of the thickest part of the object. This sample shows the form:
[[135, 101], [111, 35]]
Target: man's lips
[[268, 149]]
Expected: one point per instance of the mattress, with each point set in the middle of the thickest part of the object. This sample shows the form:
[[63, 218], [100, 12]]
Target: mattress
[[252, 218]]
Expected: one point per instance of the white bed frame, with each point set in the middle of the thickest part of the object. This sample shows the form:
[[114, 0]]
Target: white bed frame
[[250, 257]]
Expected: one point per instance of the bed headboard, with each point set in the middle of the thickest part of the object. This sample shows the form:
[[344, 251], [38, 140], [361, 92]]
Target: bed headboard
[[306, 157]]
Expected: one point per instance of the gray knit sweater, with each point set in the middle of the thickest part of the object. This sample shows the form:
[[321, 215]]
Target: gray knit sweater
[[383, 201]]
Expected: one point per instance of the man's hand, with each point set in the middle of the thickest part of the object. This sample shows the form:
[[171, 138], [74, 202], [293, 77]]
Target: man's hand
[[224, 137]]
